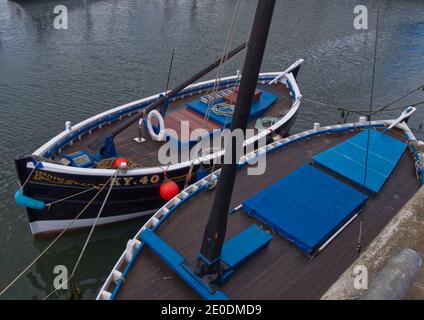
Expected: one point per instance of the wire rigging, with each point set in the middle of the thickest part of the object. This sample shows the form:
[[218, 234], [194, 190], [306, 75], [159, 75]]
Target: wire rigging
[[220, 71], [361, 214]]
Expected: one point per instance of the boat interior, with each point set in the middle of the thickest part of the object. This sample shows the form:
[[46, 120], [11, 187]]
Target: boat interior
[[189, 112], [293, 230]]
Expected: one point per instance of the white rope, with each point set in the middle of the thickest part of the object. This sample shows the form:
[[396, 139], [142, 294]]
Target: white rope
[[70, 197], [220, 71], [30, 175], [88, 237], [223, 109]]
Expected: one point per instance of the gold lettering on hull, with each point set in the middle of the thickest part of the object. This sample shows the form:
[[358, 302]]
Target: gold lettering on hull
[[43, 176], [50, 178]]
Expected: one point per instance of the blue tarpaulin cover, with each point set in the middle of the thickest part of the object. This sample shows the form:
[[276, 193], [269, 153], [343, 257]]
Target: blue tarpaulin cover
[[348, 158], [306, 207], [265, 100]]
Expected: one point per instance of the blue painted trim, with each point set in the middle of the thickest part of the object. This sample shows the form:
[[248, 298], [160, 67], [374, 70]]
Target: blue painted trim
[[178, 264], [136, 254]]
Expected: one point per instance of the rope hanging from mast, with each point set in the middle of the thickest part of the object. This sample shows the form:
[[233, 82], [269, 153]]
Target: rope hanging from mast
[[219, 74], [361, 213]]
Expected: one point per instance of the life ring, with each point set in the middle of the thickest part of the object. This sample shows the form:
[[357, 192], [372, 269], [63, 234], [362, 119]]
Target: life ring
[[156, 136]]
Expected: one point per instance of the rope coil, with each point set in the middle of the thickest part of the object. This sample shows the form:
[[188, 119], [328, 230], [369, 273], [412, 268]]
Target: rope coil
[[223, 109], [109, 163]]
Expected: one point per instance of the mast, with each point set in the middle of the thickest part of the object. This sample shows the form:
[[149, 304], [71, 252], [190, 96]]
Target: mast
[[107, 137], [214, 235]]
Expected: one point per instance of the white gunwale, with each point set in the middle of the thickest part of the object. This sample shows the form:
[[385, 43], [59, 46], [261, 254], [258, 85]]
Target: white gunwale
[[285, 77]]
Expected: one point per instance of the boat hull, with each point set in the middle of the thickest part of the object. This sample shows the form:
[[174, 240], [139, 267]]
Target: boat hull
[[131, 196], [68, 191]]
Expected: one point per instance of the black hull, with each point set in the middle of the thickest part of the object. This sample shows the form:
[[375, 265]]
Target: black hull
[[132, 197]]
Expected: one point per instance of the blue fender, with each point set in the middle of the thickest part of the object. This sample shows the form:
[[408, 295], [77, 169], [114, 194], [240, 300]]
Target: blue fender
[[201, 173], [28, 202]]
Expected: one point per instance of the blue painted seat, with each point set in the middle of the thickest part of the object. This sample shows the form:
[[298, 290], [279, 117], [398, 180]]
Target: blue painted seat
[[306, 207], [244, 245], [80, 159], [259, 106], [178, 264], [350, 157]]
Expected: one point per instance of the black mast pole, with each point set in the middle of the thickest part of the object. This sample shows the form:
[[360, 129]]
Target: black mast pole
[[101, 141], [214, 235], [179, 88]]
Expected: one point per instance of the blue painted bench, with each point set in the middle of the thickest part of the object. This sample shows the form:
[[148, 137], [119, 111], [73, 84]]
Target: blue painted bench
[[243, 246]]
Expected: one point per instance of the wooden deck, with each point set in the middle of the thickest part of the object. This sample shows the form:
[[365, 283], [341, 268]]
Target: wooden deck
[[145, 154], [280, 271], [190, 120]]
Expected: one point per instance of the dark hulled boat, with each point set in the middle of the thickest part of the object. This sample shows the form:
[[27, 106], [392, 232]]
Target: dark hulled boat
[[61, 177]]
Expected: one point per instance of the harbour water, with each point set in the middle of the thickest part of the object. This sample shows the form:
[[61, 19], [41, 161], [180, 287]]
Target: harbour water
[[116, 51]]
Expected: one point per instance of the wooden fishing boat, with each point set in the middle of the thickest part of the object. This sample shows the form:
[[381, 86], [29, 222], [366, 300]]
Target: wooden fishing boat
[[286, 234], [60, 178], [283, 270]]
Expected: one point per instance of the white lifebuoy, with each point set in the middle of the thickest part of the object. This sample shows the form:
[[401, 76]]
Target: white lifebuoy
[[156, 136]]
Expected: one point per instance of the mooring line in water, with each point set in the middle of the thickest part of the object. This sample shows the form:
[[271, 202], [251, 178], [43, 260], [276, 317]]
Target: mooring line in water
[[88, 237], [56, 239]]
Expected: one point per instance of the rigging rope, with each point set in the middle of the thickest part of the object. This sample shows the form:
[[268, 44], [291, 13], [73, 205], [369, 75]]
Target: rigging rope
[[48, 205], [227, 45], [362, 112], [361, 221], [55, 240], [399, 99], [241, 67], [112, 183], [30, 174]]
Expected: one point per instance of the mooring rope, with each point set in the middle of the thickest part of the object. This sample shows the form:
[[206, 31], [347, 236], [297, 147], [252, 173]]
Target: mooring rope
[[30, 174], [48, 205], [88, 237], [55, 240]]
